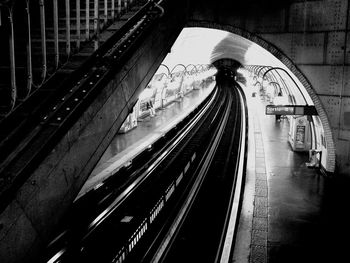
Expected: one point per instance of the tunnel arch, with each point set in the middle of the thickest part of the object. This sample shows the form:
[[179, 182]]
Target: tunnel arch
[[270, 47]]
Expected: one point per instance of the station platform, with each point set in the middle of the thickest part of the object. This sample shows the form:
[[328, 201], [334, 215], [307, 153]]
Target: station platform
[[290, 213]]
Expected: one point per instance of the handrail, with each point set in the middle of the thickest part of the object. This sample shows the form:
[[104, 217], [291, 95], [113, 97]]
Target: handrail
[[278, 68], [44, 36], [55, 28], [12, 61], [29, 55], [68, 37], [163, 65], [257, 69], [176, 66], [77, 6]]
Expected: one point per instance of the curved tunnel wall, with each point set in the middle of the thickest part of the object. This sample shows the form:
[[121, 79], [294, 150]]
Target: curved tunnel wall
[[297, 72], [311, 39], [277, 52]]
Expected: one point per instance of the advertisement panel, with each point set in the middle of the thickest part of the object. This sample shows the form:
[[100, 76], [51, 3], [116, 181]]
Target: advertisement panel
[[300, 136]]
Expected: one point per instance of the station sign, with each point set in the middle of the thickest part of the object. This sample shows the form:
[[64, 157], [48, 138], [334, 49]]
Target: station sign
[[290, 110]]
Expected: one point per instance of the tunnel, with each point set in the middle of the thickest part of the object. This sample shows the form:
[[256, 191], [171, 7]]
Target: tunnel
[[67, 86]]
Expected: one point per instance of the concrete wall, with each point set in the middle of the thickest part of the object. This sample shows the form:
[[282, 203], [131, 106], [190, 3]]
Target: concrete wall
[[28, 222], [309, 37]]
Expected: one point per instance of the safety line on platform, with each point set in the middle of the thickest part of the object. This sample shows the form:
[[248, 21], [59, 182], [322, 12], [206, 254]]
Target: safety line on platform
[[258, 249]]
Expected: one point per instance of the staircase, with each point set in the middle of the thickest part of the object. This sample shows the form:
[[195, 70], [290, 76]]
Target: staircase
[[44, 38], [55, 53]]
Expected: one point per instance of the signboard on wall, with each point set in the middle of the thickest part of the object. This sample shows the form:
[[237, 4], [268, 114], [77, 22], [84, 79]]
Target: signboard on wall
[[290, 110], [279, 110]]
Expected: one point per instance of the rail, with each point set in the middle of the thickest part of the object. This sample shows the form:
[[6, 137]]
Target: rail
[[232, 218], [145, 211], [201, 173], [117, 202], [206, 231]]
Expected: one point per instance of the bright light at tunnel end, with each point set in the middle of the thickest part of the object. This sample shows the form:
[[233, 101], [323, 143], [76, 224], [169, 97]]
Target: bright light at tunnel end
[[197, 45]]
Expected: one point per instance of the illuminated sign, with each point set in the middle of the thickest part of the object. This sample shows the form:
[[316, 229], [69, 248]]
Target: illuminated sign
[[290, 110]]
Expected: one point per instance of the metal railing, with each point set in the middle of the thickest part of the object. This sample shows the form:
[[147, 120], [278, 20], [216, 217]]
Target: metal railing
[[38, 37], [270, 74], [169, 86]]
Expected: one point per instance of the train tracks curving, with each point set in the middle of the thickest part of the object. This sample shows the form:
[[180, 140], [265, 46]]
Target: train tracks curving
[[171, 203], [205, 232]]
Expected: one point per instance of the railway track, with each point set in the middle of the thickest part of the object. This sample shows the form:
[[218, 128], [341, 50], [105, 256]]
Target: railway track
[[134, 218], [205, 231]]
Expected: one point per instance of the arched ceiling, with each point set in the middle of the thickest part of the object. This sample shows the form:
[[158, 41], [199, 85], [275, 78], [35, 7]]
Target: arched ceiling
[[204, 46], [231, 47]]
